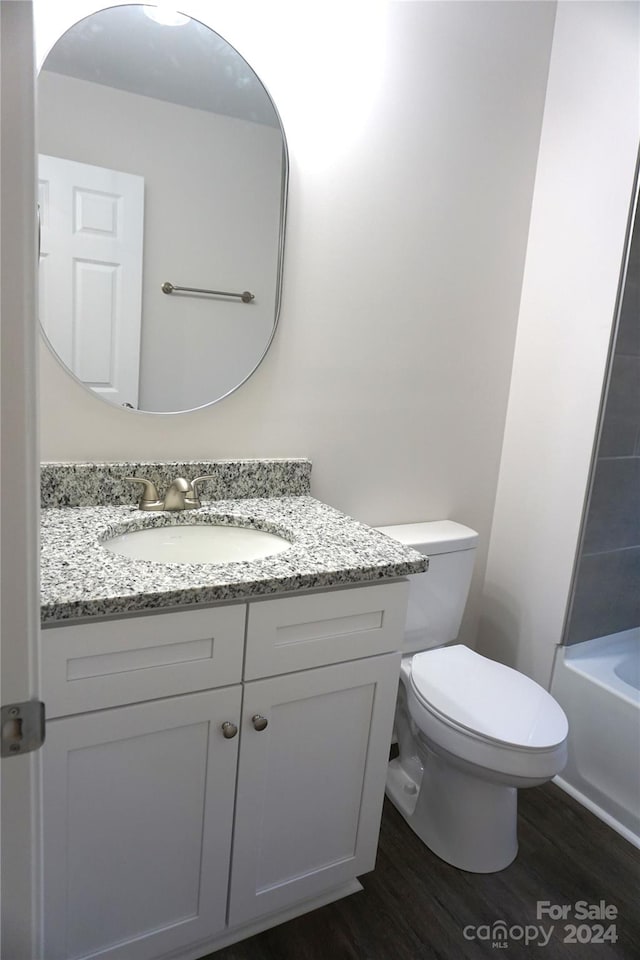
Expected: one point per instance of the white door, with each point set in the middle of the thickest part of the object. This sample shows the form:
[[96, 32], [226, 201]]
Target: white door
[[91, 272], [137, 823], [310, 783], [18, 473]]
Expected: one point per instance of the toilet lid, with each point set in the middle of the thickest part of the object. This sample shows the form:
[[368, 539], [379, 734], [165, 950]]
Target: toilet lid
[[487, 698]]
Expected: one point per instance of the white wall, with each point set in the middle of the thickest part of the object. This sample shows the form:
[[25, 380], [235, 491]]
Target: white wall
[[581, 202], [211, 219], [413, 130]]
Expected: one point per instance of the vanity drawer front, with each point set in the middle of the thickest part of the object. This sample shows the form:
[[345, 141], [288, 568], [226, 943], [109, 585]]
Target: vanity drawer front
[[90, 666], [296, 633]]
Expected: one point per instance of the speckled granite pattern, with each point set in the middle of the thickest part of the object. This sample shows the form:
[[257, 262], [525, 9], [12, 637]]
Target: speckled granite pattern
[[80, 579], [103, 484]]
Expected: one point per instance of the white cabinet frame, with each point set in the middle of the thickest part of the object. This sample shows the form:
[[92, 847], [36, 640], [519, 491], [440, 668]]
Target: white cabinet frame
[[164, 839]]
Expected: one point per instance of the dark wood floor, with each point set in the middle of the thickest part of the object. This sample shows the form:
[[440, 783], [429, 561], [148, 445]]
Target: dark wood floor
[[415, 907]]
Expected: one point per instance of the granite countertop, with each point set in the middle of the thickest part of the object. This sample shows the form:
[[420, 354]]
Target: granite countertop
[[81, 580]]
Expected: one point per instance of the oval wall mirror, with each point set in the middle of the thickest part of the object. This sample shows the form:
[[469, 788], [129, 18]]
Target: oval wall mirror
[[162, 166]]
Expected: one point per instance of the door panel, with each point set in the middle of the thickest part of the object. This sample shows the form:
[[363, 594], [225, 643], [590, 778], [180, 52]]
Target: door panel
[[311, 784], [310, 740], [131, 797], [91, 272], [19, 475]]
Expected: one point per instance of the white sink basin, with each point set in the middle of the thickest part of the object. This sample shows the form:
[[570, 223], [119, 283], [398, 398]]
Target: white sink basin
[[197, 543]]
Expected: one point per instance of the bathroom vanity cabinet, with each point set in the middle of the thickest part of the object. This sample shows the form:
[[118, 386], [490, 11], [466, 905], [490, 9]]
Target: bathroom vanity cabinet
[[175, 819]]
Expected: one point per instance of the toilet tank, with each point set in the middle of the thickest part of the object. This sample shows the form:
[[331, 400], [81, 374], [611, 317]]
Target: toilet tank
[[438, 597]]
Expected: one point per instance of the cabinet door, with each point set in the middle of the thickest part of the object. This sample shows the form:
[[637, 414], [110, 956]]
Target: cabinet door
[[311, 783], [138, 809]]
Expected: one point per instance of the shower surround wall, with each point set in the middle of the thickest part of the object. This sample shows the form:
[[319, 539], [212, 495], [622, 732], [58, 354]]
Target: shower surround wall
[[607, 598]]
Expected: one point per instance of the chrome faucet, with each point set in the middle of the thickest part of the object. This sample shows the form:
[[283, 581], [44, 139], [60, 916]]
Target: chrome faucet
[[181, 494]]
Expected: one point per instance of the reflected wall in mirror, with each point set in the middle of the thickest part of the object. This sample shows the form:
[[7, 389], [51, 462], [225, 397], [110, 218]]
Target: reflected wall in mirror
[[162, 159]]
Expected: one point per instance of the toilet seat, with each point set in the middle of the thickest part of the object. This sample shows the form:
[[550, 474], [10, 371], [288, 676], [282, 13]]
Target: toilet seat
[[486, 699]]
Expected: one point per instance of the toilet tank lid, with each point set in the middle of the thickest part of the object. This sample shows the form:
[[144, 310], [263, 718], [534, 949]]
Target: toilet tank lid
[[433, 536]]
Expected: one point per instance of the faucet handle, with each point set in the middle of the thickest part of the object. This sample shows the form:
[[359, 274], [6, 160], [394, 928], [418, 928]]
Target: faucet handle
[[149, 498], [197, 480]]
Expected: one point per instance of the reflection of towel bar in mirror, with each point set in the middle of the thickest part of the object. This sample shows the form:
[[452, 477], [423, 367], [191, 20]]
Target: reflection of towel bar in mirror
[[245, 296]]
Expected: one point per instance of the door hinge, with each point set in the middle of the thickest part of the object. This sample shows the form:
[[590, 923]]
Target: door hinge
[[22, 727]]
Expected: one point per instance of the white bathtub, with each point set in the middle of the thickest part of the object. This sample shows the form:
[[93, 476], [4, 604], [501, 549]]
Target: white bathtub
[[597, 683]]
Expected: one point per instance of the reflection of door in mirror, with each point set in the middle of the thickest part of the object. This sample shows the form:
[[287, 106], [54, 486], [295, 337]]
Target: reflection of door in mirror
[[91, 272]]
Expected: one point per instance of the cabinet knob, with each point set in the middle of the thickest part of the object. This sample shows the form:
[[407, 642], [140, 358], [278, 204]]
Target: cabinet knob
[[229, 730], [259, 722]]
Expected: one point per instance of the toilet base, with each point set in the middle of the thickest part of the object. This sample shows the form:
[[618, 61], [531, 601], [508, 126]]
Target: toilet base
[[466, 821], [401, 789]]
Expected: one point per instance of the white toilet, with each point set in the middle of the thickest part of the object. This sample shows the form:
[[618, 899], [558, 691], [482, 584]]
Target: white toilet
[[470, 731]]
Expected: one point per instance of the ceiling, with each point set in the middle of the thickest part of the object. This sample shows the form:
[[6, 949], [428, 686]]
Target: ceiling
[[190, 65]]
